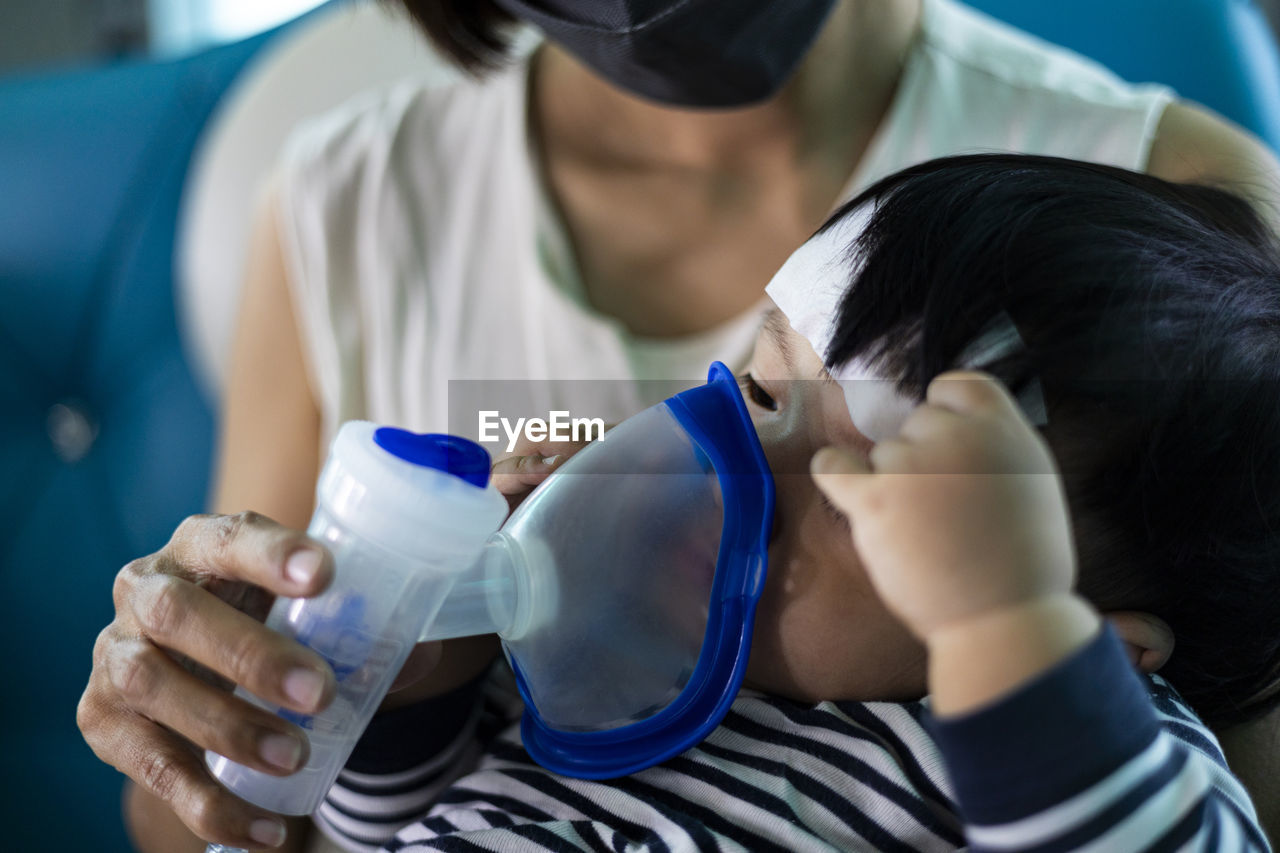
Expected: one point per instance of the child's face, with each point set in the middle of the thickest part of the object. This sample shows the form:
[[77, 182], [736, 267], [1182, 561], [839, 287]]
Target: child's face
[[821, 631]]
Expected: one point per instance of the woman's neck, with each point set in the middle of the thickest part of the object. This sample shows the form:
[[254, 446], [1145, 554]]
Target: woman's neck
[[855, 63], [678, 217]]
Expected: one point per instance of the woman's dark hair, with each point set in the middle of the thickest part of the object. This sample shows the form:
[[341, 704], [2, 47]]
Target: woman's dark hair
[[475, 34], [1150, 313]]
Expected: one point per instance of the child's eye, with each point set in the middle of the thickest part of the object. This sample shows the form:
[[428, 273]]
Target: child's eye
[[755, 393], [833, 511]]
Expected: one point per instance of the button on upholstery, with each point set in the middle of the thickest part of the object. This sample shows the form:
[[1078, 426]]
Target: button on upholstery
[[71, 430]]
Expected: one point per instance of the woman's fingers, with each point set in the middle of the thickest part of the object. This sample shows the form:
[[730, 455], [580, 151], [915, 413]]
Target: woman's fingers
[[517, 474], [147, 715], [156, 687], [176, 614], [160, 599], [169, 769], [249, 548]]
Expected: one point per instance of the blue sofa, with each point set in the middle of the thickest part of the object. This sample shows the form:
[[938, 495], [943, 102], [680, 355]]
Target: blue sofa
[[105, 439]]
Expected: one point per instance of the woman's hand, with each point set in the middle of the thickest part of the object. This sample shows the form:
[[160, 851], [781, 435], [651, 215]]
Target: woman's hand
[[187, 616], [962, 523], [188, 628]]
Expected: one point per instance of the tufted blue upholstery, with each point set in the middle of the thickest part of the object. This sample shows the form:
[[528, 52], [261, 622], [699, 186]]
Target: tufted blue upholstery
[[104, 439]]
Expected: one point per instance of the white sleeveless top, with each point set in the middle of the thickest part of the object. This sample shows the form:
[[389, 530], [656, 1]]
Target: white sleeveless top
[[423, 251]]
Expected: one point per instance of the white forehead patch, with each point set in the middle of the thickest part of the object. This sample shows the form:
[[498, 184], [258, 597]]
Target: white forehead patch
[[808, 289], [809, 286]]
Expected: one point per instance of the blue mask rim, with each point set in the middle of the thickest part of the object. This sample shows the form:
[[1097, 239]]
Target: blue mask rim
[[716, 418]]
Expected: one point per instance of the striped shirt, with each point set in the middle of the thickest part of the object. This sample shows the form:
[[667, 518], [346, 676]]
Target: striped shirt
[[1088, 756]]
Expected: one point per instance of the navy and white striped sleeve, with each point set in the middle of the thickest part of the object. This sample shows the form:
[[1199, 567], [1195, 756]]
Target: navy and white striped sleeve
[[1087, 757]]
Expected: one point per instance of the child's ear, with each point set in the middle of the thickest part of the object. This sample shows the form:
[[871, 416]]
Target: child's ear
[[1148, 639]]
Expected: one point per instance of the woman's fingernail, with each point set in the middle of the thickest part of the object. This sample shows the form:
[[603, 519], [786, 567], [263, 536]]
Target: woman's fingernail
[[550, 460], [267, 832], [282, 751], [302, 566], [304, 686]]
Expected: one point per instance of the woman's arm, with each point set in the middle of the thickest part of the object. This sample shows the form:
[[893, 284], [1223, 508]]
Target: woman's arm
[[269, 450], [1253, 752], [1083, 756], [1192, 144]]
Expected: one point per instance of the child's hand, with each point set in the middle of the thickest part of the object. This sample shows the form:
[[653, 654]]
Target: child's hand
[[962, 524]]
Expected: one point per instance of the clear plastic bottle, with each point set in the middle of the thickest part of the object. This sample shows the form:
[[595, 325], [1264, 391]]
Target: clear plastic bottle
[[404, 515]]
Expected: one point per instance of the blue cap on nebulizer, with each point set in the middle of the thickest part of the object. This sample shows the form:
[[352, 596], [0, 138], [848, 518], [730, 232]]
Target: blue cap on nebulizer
[[457, 456], [640, 578]]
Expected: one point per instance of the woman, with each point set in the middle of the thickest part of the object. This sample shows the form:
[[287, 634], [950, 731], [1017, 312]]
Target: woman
[[599, 211]]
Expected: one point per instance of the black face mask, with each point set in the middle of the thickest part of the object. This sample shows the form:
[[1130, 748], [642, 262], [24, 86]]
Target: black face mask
[[692, 53]]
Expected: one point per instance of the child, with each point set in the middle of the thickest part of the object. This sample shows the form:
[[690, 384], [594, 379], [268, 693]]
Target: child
[[1139, 322]]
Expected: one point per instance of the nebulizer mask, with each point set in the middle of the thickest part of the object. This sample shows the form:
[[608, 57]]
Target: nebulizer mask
[[624, 587]]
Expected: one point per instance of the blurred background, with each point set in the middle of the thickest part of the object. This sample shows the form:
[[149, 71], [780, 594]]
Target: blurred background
[[134, 135], [44, 32], [40, 32]]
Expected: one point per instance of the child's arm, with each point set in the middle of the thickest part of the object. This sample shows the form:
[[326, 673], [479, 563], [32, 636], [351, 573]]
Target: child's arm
[[1077, 758], [962, 524]]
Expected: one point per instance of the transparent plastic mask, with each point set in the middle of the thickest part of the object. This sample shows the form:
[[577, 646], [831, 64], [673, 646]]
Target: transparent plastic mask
[[624, 586]]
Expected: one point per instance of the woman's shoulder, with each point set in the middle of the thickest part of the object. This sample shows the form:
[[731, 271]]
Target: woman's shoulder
[[998, 55], [972, 83], [402, 131]]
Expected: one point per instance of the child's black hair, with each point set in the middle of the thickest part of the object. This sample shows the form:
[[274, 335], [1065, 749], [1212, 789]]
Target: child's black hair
[[1150, 313]]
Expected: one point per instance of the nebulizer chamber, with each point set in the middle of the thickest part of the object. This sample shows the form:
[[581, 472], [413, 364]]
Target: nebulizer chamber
[[403, 515]]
